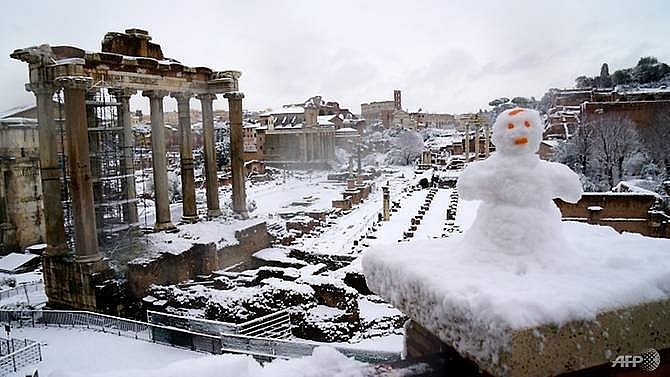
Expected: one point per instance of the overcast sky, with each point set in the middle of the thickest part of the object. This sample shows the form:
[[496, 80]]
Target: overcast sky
[[445, 56]]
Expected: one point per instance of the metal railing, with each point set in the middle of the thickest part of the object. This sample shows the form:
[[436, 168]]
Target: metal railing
[[198, 325], [274, 325], [64, 318], [18, 353], [22, 289], [265, 349], [262, 348]]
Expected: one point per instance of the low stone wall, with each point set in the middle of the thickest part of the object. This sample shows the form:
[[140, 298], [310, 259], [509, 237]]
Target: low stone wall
[[85, 286], [200, 259], [625, 212]]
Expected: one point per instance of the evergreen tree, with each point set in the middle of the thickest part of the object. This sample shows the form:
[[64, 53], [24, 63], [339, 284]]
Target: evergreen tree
[[605, 80]]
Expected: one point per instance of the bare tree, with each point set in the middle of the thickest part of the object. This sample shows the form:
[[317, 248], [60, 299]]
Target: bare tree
[[656, 139], [614, 140], [577, 153], [602, 150]]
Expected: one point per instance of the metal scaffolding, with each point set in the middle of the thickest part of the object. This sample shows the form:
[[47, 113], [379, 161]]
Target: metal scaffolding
[[115, 232]]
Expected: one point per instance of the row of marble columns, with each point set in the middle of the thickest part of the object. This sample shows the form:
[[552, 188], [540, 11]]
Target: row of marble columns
[[316, 146], [81, 185], [476, 141]]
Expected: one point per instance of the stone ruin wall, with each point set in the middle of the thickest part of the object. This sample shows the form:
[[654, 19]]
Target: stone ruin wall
[[200, 259]]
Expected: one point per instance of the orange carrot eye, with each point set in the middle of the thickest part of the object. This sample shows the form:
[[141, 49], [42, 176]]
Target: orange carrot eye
[[510, 126], [527, 124]]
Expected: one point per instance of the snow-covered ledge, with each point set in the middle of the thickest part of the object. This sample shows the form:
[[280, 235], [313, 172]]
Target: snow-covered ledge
[[522, 293], [610, 298]]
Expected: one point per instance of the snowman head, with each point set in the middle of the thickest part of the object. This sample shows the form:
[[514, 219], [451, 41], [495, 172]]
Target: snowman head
[[517, 131]]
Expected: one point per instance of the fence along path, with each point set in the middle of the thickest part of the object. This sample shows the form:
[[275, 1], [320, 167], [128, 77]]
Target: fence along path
[[18, 353], [262, 348], [22, 289], [274, 325]]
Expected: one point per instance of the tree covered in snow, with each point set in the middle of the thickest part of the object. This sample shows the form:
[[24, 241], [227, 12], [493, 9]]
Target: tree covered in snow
[[656, 138], [615, 142], [604, 152], [222, 153], [174, 186], [406, 147], [503, 103]]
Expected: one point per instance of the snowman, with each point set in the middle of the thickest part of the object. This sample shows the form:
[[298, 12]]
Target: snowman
[[517, 216]]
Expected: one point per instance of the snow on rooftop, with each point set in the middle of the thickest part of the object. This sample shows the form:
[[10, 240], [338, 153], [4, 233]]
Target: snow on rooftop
[[286, 110], [551, 143], [15, 110], [15, 260], [18, 121], [325, 119]]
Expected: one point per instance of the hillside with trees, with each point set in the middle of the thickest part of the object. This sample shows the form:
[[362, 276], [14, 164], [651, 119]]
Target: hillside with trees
[[648, 72]]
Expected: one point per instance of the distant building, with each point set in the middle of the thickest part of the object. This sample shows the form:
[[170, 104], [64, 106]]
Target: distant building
[[391, 114], [382, 110], [562, 121], [571, 107], [300, 133]]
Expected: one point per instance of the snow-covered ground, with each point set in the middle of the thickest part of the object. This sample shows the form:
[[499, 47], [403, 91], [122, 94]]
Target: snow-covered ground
[[74, 352], [28, 289]]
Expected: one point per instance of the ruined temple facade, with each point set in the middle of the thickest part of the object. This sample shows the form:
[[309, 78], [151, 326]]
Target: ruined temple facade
[[93, 91], [302, 134], [21, 218]]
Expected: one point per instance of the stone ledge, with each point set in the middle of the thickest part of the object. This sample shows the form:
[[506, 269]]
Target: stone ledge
[[525, 324]]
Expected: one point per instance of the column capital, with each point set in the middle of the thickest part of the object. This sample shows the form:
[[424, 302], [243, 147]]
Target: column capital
[[206, 96], [181, 96], [121, 93], [155, 93], [74, 82], [40, 88], [234, 95]]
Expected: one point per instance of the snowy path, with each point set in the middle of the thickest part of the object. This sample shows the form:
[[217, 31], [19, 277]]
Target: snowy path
[[339, 238], [434, 220]]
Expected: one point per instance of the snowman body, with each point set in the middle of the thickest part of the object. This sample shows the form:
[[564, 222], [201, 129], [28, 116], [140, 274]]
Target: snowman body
[[517, 215]]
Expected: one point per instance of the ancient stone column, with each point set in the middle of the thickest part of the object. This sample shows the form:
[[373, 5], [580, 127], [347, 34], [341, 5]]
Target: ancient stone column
[[236, 156], [211, 179], [189, 211], [127, 161], [81, 184], [159, 160], [467, 142], [359, 166], [487, 140], [476, 141], [49, 169], [386, 213]]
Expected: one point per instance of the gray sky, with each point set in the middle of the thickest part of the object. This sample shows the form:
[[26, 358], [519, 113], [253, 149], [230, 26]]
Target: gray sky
[[445, 56]]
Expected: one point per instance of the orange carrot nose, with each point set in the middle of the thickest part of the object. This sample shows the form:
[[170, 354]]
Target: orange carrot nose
[[521, 140]]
